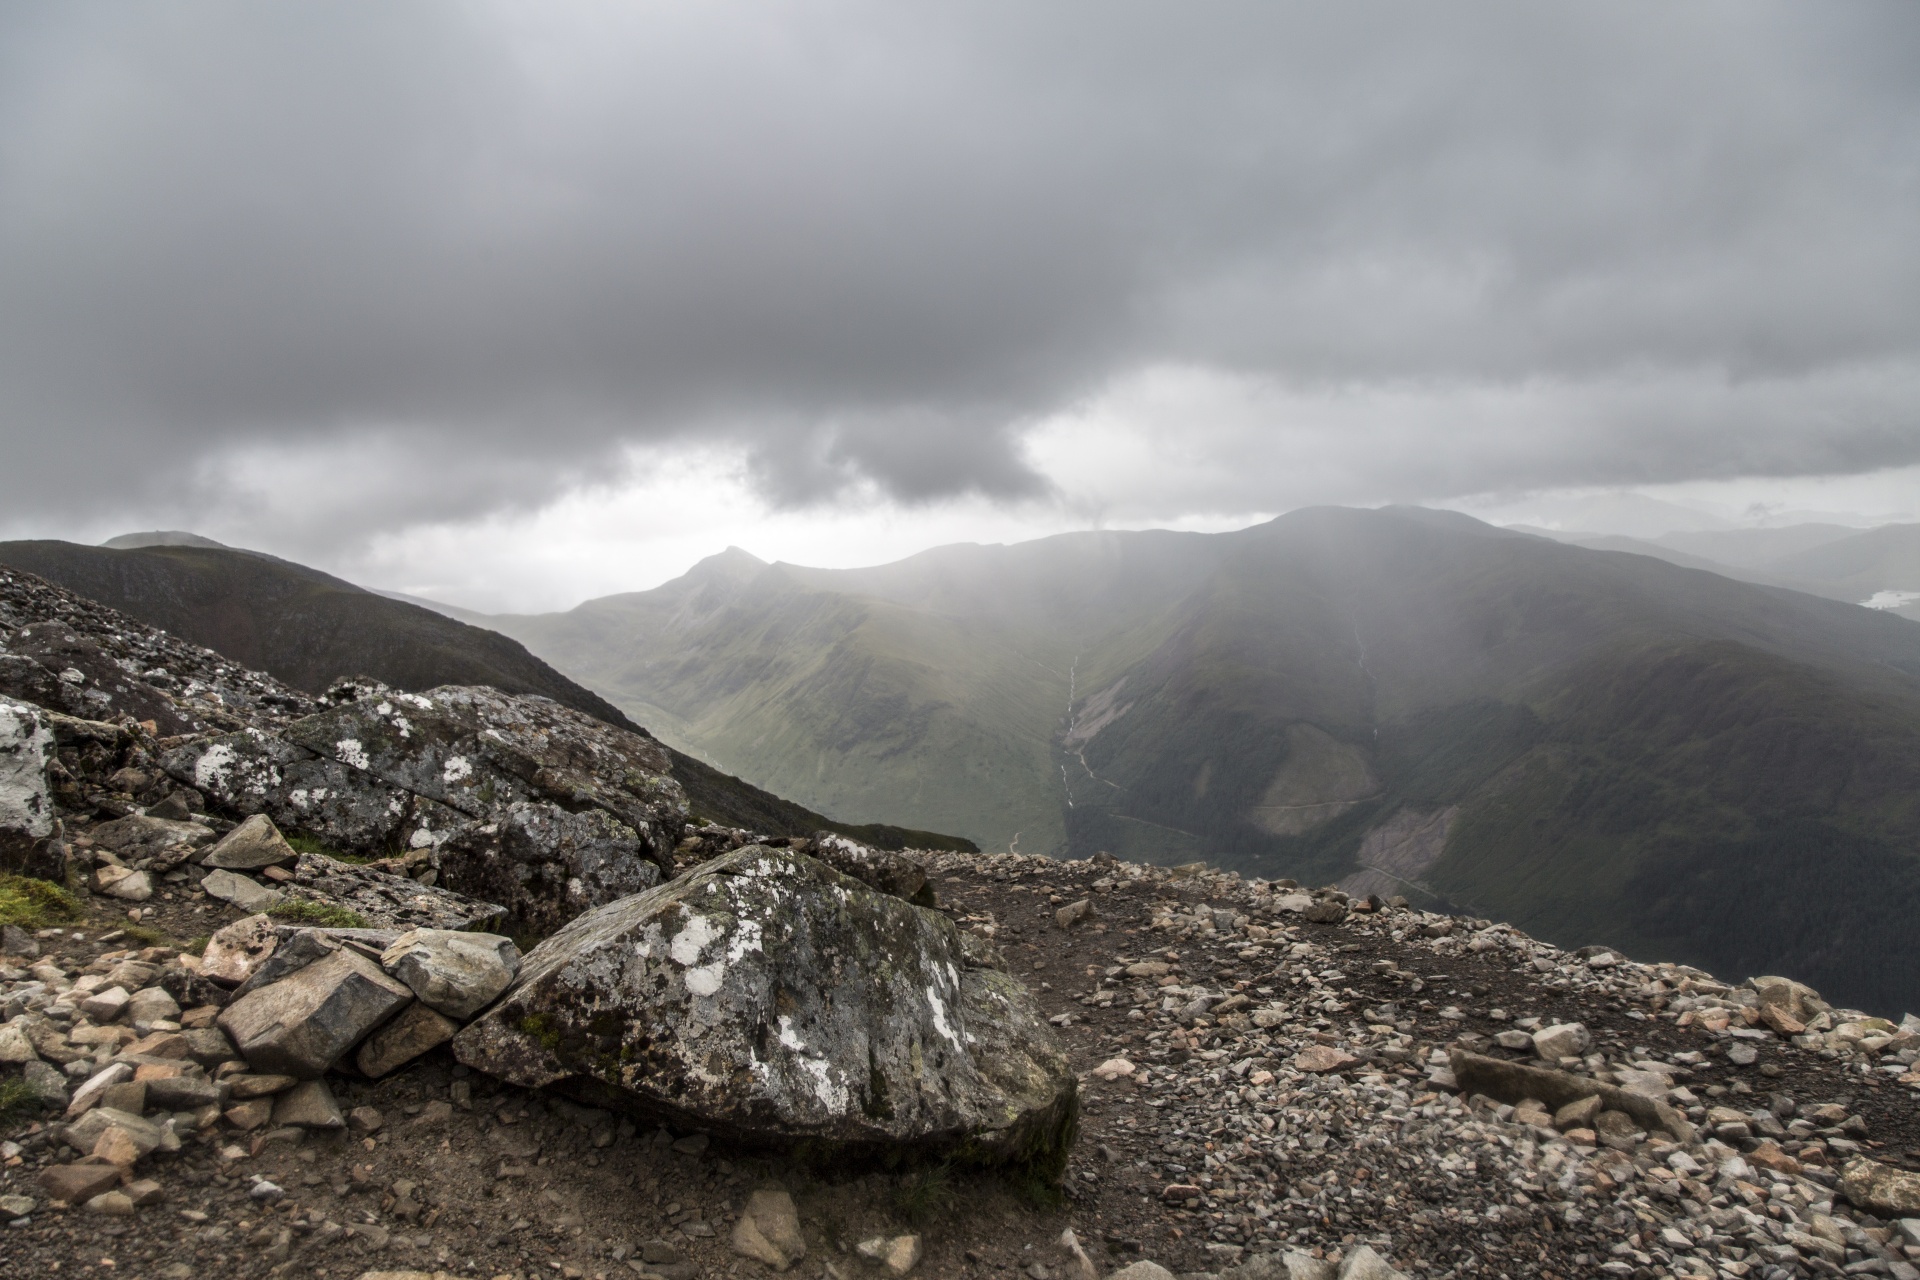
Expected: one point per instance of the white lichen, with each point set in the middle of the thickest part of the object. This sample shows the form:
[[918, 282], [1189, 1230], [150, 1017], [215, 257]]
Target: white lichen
[[351, 753], [457, 768]]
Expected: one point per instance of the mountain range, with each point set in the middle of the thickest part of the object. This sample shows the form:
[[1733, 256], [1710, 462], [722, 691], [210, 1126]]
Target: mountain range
[[1595, 745]]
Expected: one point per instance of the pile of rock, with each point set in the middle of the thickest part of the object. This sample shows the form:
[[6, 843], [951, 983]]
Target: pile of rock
[[270, 1011]]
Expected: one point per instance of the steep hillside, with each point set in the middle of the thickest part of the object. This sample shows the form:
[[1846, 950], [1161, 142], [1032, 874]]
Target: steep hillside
[[1595, 745], [308, 629]]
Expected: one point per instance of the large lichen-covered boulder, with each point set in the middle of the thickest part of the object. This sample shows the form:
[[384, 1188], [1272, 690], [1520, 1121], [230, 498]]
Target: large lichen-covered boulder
[[479, 751], [26, 800], [772, 998], [254, 772]]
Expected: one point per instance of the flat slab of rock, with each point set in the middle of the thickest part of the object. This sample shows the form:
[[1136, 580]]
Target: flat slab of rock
[[389, 901], [1882, 1189], [1514, 1082], [247, 894], [302, 1024], [455, 973], [137, 836], [771, 997]]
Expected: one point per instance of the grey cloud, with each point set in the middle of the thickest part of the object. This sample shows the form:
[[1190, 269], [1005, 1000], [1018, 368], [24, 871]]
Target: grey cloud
[[873, 243]]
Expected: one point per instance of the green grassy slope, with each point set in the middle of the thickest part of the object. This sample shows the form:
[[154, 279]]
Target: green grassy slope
[[1636, 752], [308, 628]]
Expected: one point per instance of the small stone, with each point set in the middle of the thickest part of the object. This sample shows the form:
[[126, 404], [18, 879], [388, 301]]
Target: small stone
[[1742, 1055], [1565, 1040], [899, 1254], [150, 1006], [692, 1145], [1327, 911], [250, 1115], [113, 1204], [17, 1206], [15, 1047], [105, 1006], [365, 1119], [1579, 1114], [15, 941], [309, 1105], [242, 1087], [144, 1192], [264, 1190], [90, 1093], [129, 886], [1073, 913], [457, 974], [1513, 1040], [1364, 1264], [236, 951], [255, 844], [46, 1083], [1319, 1059], [77, 1183], [242, 891], [1142, 1271], [416, 1030], [129, 1095], [768, 1230]]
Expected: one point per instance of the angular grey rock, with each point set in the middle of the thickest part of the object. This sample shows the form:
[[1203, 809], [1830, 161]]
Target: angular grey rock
[[182, 1093], [457, 974], [247, 894], [123, 883], [1327, 911], [150, 1006], [1362, 1263], [768, 1229], [768, 996], [302, 1024], [233, 954], [85, 1133], [410, 1033], [295, 950], [15, 941], [544, 864], [138, 836], [1564, 1040], [308, 1105], [251, 846], [1142, 1271], [893, 873], [89, 1093], [46, 1083]]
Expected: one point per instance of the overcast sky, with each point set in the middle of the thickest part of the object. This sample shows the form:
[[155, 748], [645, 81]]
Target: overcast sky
[[514, 304]]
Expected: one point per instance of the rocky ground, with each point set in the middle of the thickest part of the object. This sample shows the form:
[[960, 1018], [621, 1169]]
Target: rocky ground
[[1283, 1085]]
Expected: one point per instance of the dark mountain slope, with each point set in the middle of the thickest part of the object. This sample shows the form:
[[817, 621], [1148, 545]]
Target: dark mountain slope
[[308, 629]]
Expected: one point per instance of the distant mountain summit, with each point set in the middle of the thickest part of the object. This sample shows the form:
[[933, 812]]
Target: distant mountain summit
[[1594, 745], [160, 538]]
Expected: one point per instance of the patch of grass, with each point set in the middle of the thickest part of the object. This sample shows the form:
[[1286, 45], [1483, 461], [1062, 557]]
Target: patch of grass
[[300, 842], [18, 1101], [36, 904], [924, 1194], [324, 914], [197, 944], [146, 936]]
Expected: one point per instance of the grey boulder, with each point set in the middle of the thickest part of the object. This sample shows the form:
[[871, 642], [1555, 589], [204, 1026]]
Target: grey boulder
[[546, 865], [301, 1025], [26, 802], [457, 974], [241, 891], [770, 997]]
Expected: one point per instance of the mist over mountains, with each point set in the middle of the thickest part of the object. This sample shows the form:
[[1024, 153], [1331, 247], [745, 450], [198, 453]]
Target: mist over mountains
[[1597, 746]]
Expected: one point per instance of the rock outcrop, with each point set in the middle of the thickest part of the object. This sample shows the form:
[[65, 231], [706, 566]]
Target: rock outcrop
[[769, 996], [26, 801]]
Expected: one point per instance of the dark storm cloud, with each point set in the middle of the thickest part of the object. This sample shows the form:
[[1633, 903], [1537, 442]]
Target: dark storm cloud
[[874, 242]]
